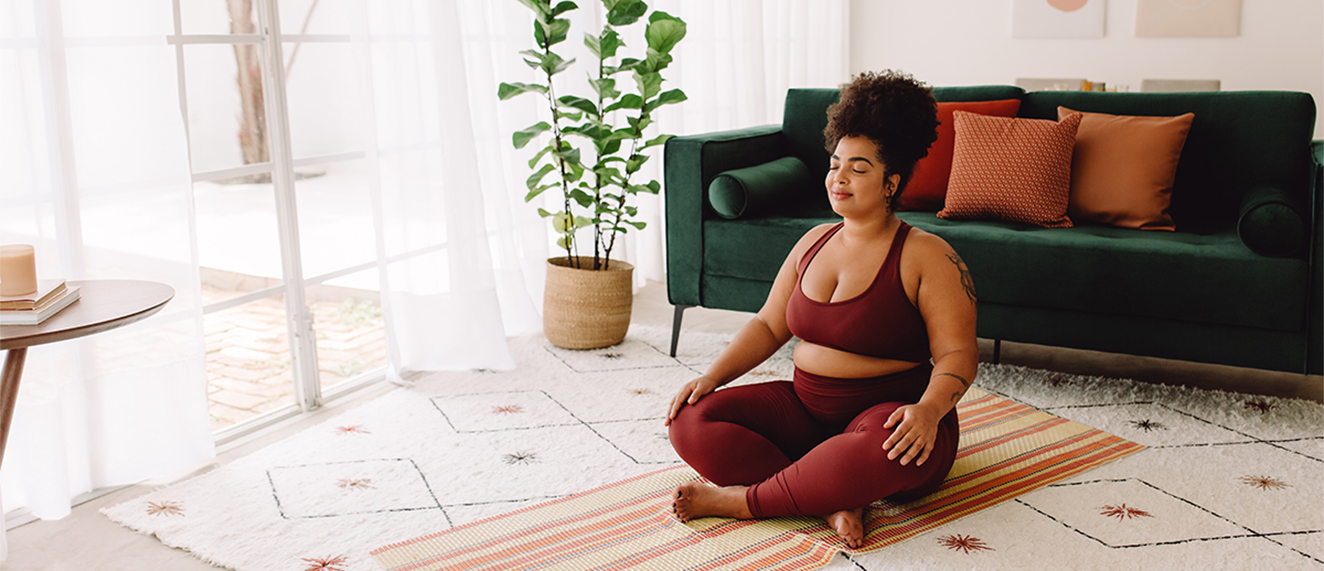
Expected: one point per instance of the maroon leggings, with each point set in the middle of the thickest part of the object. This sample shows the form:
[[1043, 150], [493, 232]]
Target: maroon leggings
[[813, 446]]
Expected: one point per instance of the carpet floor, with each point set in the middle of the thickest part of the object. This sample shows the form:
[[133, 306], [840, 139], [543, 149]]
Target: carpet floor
[[1226, 481]]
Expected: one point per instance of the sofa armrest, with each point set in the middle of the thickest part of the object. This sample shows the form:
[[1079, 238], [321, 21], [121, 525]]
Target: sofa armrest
[[689, 164], [1315, 347]]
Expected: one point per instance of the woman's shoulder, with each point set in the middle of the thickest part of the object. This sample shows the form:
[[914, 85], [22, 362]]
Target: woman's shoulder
[[927, 246], [807, 241]]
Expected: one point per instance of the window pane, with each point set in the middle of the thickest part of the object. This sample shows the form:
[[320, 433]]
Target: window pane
[[226, 118], [238, 240], [326, 114], [335, 218], [348, 326], [315, 17], [248, 360], [217, 16]]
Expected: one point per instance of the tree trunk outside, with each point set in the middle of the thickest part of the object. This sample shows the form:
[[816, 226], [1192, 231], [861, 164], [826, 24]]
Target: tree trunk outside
[[252, 126]]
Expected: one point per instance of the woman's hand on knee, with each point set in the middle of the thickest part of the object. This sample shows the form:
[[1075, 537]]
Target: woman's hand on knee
[[916, 431], [690, 394]]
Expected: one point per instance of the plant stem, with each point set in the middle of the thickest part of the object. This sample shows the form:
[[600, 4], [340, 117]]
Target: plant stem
[[634, 148], [560, 162]]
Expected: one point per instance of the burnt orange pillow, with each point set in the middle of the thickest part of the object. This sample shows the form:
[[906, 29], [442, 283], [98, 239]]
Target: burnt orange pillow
[[928, 186], [1123, 167], [1011, 169]]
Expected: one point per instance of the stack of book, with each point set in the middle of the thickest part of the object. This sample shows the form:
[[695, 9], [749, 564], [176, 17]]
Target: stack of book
[[33, 308]]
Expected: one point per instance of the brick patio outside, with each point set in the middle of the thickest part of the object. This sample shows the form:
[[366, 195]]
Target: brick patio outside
[[248, 355]]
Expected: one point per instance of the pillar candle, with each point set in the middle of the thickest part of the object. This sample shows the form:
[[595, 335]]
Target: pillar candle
[[18, 270]]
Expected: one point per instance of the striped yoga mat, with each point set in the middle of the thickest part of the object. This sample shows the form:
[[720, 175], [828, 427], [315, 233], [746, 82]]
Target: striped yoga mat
[[1007, 449]]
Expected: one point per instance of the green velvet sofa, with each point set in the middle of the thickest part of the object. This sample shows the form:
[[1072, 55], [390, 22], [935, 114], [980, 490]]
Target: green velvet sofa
[[1238, 283]]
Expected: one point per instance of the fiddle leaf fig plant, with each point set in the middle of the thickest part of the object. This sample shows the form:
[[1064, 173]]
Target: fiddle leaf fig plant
[[595, 144]]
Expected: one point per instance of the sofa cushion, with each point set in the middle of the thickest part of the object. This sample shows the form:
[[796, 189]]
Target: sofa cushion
[[758, 190], [928, 186], [1172, 275], [1122, 169], [1011, 169], [754, 248]]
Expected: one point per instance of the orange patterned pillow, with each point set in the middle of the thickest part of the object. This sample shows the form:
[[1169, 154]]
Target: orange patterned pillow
[[1013, 169]]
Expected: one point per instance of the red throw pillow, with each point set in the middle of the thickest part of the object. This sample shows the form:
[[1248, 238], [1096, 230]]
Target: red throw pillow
[[928, 186], [1123, 168], [1011, 169]]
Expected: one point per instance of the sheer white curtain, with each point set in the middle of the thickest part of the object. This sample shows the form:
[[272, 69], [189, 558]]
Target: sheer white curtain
[[94, 173]]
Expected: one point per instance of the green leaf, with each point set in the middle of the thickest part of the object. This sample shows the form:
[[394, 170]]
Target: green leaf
[[635, 163], [550, 33], [605, 88], [533, 161], [611, 146], [627, 64], [626, 12], [563, 242], [563, 7], [648, 83], [594, 45], [637, 225], [639, 123], [554, 64], [579, 103], [543, 213], [507, 90], [669, 97], [571, 115], [537, 176], [581, 222], [655, 62], [629, 101], [535, 192], [570, 157], [610, 42], [583, 198], [664, 31], [658, 140], [523, 136], [563, 223]]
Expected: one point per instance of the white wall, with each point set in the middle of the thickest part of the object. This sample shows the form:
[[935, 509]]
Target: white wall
[[968, 42]]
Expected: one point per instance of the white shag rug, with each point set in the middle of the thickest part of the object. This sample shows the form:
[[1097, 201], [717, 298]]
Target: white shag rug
[[1229, 481]]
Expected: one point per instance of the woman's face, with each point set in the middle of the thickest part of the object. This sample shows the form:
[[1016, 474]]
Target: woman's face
[[857, 181]]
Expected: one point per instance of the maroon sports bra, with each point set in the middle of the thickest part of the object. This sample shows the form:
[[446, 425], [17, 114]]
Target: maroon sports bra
[[881, 322]]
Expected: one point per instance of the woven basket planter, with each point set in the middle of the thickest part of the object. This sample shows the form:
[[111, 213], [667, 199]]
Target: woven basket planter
[[587, 309]]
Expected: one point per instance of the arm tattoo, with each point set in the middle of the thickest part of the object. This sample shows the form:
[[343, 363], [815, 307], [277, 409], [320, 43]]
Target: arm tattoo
[[956, 396], [958, 377], [967, 281]]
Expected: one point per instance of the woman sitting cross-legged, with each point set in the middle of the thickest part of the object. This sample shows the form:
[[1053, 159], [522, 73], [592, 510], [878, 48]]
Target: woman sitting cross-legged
[[868, 415]]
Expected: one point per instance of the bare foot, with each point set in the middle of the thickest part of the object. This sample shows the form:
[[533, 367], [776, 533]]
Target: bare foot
[[695, 500], [849, 525]]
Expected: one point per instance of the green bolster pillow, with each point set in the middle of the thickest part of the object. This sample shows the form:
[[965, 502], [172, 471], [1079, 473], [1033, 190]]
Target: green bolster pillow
[[1271, 222], [758, 189]]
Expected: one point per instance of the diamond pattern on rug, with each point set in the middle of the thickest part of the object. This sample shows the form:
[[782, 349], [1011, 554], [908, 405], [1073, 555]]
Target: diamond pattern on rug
[[1130, 513], [616, 396], [1151, 424], [345, 488], [513, 410], [624, 356], [645, 441]]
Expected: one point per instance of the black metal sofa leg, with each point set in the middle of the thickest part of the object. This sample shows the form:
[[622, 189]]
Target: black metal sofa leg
[[997, 351], [675, 327]]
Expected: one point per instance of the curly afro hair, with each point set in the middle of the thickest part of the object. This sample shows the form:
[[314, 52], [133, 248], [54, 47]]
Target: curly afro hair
[[893, 110]]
